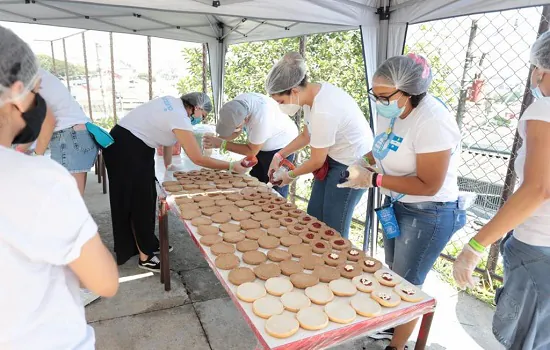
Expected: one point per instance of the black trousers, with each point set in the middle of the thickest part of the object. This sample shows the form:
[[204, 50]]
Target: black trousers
[[130, 167], [260, 170]]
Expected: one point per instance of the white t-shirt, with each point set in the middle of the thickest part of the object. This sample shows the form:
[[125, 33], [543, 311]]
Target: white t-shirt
[[153, 122], [428, 128], [267, 125], [536, 229], [43, 225], [66, 110], [336, 122]]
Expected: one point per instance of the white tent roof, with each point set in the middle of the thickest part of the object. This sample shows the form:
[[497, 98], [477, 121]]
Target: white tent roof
[[223, 22]]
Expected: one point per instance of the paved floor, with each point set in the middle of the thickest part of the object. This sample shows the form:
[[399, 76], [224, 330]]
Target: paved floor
[[198, 314]]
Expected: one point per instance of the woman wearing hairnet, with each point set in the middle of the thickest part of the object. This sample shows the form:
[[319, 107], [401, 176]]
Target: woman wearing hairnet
[[54, 246], [416, 151], [336, 130], [267, 131], [130, 163], [522, 311]]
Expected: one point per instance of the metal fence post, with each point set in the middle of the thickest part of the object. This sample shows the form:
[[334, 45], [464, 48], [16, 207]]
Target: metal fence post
[[149, 68], [510, 181], [66, 66], [113, 76], [460, 109], [87, 76], [53, 58]]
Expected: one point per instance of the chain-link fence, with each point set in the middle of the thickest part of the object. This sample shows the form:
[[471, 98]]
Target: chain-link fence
[[481, 67]]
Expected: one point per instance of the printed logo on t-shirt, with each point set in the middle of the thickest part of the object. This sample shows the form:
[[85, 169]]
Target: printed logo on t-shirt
[[167, 104], [384, 143]]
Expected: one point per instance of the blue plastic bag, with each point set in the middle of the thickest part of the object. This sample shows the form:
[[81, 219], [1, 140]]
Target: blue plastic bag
[[100, 135], [386, 216]]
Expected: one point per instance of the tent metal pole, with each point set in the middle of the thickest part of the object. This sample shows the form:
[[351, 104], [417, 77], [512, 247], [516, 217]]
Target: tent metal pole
[[66, 66], [87, 75], [149, 68], [204, 68], [115, 119], [53, 59]]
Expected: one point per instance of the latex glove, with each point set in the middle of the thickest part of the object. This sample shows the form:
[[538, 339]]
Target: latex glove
[[274, 166], [362, 162], [359, 177], [210, 142], [464, 266], [286, 179], [172, 167], [238, 168]]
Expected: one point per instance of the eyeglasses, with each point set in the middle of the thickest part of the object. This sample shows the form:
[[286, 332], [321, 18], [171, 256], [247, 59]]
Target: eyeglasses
[[385, 100]]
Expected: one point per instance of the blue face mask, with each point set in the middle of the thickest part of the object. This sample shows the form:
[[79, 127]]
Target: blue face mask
[[537, 94], [390, 111], [196, 120]]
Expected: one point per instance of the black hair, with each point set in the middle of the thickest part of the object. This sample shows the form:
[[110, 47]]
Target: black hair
[[415, 99], [186, 103], [303, 83]]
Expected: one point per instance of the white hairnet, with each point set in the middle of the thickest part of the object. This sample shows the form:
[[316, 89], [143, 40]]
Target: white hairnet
[[540, 52], [232, 114], [17, 63], [411, 73], [286, 74], [198, 99]]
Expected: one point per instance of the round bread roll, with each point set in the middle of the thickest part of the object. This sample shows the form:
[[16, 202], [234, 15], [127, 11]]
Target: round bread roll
[[365, 283], [278, 286], [312, 318], [343, 288], [386, 297], [233, 237], [241, 275], [340, 312], [267, 306], [227, 261], [282, 326], [247, 245], [210, 240], [201, 220], [319, 294], [254, 257], [295, 301], [387, 278], [365, 306], [250, 292], [408, 292]]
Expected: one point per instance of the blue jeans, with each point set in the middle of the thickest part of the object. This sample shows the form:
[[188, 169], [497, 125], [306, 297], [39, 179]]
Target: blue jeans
[[76, 150], [426, 228], [522, 315], [332, 205], [260, 170]]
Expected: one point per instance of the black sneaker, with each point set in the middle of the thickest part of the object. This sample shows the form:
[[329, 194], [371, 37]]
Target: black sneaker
[[384, 335], [152, 264], [394, 348], [170, 249]]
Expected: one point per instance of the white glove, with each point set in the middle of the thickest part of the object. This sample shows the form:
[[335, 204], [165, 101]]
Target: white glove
[[286, 179], [274, 166], [238, 168], [362, 162], [464, 266], [359, 177], [173, 167]]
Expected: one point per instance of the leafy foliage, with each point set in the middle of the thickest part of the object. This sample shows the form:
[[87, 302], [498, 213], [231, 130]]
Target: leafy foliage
[[47, 64]]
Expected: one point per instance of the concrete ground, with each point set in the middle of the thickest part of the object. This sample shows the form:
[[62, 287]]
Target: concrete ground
[[198, 314]]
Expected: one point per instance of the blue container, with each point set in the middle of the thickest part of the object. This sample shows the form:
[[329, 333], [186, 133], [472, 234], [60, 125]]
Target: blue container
[[386, 216]]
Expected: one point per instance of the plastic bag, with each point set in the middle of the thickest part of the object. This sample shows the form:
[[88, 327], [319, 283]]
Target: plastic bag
[[200, 131]]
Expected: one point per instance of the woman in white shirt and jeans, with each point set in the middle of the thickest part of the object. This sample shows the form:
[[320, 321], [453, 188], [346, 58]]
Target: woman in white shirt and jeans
[[417, 153], [336, 131], [52, 249], [522, 316]]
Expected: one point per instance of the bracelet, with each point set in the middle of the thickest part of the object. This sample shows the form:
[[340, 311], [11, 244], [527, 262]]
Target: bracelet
[[231, 166], [278, 156], [223, 146], [379, 180], [374, 178], [476, 246], [291, 175]]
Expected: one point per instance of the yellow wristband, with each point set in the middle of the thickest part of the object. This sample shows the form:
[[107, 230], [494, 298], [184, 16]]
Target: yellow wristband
[[476, 246]]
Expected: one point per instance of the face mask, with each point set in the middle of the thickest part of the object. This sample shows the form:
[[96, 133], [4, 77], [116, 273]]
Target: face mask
[[390, 111], [33, 118], [537, 94], [195, 120], [290, 108]]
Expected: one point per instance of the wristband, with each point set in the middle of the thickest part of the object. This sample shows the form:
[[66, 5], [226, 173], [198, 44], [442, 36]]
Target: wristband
[[379, 180], [223, 146], [278, 156], [476, 246], [291, 175], [374, 178], [231, 166]]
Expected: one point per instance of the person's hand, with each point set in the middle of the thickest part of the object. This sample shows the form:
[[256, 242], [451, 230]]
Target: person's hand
[[209, 141], [172, 167], [357, 177], [362, 162], [286, 179], [238, 168], [464, 266], [275, 164]]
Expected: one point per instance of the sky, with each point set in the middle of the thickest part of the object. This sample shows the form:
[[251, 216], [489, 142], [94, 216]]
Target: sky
[[132, 49]]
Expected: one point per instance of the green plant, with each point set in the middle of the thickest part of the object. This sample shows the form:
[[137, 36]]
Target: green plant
[[107, 123], [501, 121], [46, 63]]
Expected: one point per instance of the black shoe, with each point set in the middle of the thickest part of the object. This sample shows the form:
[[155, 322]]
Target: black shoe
[[170, 249], [384, 335], [152, 264], [394, 348]]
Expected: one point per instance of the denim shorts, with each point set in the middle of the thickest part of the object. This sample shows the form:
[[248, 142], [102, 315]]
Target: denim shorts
[[522, 315], [76, 150], [426, 228]]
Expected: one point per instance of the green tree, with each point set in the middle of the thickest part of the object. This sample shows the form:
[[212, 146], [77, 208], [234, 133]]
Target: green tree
[[46, 63]]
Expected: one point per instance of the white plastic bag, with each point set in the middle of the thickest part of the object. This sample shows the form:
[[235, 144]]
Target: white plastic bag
[[200, 131]]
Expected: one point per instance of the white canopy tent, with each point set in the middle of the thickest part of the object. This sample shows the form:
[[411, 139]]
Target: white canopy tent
[[219, 23]]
